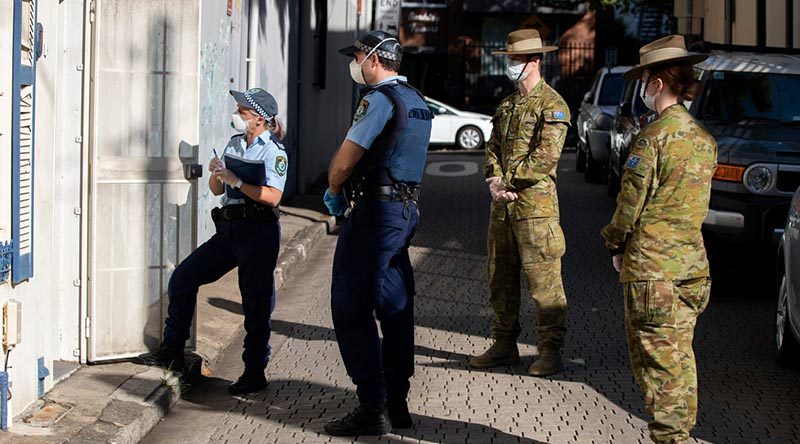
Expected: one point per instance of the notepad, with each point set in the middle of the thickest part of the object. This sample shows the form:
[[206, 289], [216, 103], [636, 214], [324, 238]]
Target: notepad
[[250, 171]]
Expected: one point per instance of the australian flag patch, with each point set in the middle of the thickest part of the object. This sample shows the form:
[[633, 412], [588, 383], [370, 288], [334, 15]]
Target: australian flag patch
[[633, 162], [559, 115]]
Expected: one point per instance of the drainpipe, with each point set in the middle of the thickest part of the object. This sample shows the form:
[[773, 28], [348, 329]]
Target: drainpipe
[[252, 42], [5, 403]]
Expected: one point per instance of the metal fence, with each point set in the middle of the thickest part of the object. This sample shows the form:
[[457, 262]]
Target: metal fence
[[569, 70]]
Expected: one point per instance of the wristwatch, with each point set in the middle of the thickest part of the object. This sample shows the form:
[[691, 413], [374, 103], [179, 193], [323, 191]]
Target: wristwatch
[[238, 184]]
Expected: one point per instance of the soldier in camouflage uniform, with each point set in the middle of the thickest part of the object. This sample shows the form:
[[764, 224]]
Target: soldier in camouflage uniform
[[655, 239], [524, 230]]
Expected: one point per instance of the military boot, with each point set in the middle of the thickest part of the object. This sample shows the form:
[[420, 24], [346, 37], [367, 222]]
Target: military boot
[[502, 352], [549, 363]]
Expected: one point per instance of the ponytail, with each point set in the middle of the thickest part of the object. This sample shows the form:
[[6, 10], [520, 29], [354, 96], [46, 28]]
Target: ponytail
[[680, 79], [276, 128]]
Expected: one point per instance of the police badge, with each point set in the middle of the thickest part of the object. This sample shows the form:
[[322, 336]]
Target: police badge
[[280, 165], [361, 111]]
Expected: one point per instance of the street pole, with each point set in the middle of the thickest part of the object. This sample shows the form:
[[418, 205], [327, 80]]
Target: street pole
[[359, 6], [252, 42]]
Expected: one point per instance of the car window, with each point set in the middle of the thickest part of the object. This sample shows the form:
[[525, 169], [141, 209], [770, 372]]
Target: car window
[[435, 109], [631, 93], [611, 90], [595, 83], [736, 96], [638, 105]]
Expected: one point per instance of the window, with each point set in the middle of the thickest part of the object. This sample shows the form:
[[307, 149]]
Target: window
[[611, 90], [757, 97], [25, 51]]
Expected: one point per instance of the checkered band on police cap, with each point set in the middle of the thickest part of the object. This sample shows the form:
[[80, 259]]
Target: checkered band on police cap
[[249, 97], [381, 53]]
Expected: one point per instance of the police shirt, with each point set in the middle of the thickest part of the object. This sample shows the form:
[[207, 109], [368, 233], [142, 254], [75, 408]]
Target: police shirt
[[264, 148], [374, 110]]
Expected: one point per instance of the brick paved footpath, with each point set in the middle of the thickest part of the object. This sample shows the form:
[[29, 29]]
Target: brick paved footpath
[[745, 397]]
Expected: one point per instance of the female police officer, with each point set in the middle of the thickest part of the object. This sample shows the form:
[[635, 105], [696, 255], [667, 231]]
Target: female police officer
[[248, 236], [655, 240]]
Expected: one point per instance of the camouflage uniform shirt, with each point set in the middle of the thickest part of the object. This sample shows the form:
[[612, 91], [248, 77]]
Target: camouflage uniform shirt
[[524, 149], [666, 186]]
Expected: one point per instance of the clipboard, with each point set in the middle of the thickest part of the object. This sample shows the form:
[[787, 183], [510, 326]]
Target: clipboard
[[250, 171]]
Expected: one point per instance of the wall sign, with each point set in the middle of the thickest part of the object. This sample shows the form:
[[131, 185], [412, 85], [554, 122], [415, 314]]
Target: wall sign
[[387, 16]]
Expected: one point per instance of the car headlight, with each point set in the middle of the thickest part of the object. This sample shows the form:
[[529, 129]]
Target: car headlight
[[759, 179]]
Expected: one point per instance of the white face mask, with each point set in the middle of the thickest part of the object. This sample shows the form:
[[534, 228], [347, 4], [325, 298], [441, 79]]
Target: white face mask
[[356, 73], [355, 68], [238, 123], [516, 71], [649, 101]]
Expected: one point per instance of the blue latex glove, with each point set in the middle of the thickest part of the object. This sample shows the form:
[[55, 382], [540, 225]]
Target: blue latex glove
[[336, 203]]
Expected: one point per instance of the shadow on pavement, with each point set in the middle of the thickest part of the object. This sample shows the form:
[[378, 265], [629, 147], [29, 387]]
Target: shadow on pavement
[[309, 406]]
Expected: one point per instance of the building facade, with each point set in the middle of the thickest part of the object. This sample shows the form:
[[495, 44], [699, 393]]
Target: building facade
[[757, 23], [107, 110]]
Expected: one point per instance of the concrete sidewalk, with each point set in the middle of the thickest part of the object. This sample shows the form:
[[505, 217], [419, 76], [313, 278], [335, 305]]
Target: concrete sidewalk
[[121, 402]]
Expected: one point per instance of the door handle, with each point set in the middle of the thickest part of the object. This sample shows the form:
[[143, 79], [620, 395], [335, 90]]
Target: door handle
[[192, 171]]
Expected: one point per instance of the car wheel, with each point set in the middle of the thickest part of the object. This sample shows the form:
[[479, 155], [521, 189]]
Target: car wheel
[[788, 349], [593, 170], [469, 138], [613, 185], [580, 158]]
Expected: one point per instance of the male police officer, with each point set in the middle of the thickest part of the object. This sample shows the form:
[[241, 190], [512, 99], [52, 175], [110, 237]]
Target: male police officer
[[248, 236], [383, 158], [524, 231]]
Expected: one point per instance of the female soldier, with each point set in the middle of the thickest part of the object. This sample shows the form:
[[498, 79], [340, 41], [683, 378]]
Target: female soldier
[[248, 236], [655, 240]]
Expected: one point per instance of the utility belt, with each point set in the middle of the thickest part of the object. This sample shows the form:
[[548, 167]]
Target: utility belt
[[397, 192], [251, 212]]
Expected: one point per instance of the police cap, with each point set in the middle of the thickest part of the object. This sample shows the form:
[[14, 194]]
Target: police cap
[[388, 46], [258, 100]]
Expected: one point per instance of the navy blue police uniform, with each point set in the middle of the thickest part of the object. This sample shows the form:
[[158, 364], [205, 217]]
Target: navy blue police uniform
[[372, 271], [248, 237]]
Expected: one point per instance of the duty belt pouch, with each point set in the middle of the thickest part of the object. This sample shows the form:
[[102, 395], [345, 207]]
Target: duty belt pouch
[[216, 216]]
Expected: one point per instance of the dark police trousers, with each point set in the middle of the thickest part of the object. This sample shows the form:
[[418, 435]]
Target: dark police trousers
[[372, 274], [253, 247]]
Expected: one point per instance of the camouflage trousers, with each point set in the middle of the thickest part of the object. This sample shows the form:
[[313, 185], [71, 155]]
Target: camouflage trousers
[[533, 246], [660, 317]]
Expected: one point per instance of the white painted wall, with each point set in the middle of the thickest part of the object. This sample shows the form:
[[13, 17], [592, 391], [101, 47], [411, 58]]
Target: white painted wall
[[46, 318], [220, 53], [275, 64]]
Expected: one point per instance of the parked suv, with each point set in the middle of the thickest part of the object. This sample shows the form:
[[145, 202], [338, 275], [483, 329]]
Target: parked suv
[[751, 104], [594, 121], [630, 118]]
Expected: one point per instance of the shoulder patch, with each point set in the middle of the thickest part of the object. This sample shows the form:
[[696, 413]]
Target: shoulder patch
[[633, 162], [361, 111], [281, 165], [559, 115]]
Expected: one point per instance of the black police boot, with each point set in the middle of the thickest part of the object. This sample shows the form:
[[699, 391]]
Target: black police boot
[[398, 414], [250, 381], [363, 421], [169, 358]]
